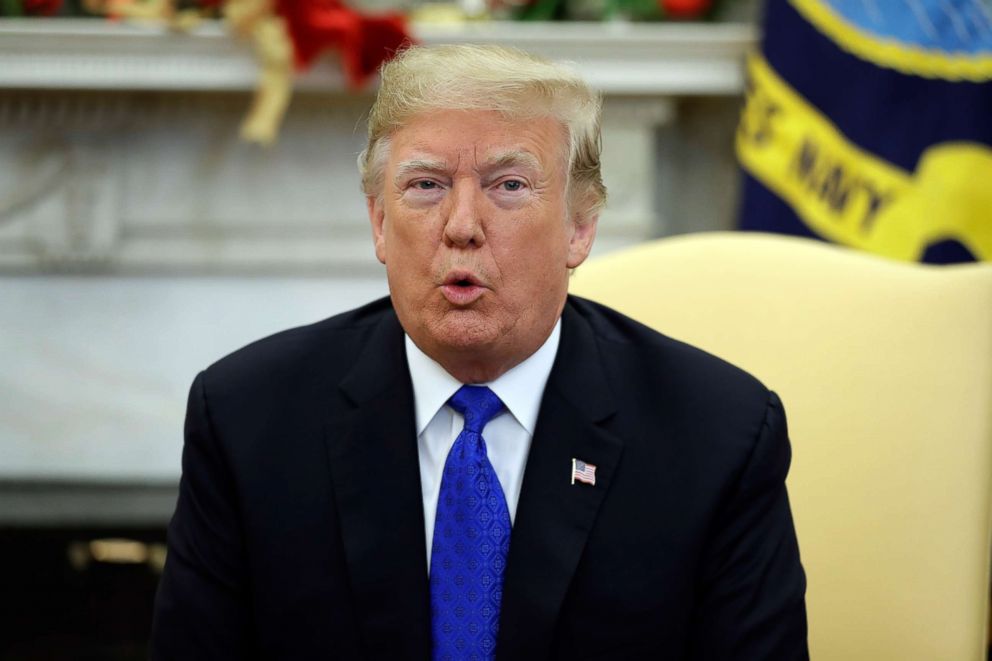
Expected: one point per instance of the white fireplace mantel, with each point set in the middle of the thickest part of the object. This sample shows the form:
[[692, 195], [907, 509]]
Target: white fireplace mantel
[[120, 161], [119, 142], [617, 58]]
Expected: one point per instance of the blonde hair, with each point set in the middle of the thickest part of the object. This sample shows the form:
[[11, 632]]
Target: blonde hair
[[507, 80]]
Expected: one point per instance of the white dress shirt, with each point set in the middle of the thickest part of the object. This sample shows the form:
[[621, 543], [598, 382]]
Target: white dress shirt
[[507, 436]]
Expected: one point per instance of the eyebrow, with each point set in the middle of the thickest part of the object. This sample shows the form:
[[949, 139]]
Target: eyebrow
[[512, 158], [406, 168]]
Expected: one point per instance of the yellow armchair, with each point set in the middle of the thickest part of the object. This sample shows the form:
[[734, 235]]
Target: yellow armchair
[[885, 369]]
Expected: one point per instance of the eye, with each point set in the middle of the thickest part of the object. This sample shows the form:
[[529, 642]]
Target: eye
[[425, 184], [512, 185]]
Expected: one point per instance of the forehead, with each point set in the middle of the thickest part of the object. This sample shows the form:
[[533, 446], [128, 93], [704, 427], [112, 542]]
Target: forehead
[[471, 137]]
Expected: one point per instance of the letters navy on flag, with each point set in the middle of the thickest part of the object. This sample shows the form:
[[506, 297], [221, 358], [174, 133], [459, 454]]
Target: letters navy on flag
[[867, 123]]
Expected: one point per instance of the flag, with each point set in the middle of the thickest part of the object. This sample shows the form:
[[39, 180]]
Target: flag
[[868, 123], [583, 472]]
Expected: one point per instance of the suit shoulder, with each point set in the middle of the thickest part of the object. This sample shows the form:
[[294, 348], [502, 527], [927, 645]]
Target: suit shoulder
[[698, 402], [667, 358], [329, 342]]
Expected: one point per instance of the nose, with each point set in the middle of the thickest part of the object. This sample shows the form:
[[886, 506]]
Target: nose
[[463, 225]]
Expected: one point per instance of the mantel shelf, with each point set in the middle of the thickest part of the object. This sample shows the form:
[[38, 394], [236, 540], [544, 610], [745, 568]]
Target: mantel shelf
[[617, 58]]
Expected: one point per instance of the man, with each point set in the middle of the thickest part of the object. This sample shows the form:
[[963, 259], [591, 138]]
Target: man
[[481, 466]]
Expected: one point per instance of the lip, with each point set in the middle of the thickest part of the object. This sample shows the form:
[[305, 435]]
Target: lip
[[462, 294]]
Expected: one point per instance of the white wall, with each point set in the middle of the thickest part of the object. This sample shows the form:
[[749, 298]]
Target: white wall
[[95, 370]]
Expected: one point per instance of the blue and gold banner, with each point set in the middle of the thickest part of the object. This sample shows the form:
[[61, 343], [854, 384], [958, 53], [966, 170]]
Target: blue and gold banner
[[869, 123]]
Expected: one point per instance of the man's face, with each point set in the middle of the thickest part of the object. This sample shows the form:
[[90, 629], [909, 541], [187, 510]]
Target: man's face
[[472, 228]]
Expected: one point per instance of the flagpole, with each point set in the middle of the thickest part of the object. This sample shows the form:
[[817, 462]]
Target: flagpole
[[573, 470]]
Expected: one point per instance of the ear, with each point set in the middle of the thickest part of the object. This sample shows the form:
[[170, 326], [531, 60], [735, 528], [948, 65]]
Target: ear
[[580, 243], [377, 217]]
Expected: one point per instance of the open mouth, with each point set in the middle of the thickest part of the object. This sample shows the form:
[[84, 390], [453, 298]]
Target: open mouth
[[461, 279], [462, 288]]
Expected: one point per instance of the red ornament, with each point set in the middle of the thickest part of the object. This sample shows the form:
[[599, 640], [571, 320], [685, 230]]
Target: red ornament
[[364, 42], [686, 8], [42, 7]]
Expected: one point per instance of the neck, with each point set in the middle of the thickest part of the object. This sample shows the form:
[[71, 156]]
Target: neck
[[475, 365], [476, 371]]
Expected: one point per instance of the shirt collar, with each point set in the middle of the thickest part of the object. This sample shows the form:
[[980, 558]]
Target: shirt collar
[[520, 388]]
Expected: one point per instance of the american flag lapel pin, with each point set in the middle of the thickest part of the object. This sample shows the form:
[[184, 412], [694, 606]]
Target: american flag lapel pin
[[583, 472]]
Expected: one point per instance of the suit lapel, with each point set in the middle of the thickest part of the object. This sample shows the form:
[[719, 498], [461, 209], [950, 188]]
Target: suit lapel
[[372, 451], [554, 517]]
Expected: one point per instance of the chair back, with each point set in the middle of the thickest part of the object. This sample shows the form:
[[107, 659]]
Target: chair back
[[885, 369]]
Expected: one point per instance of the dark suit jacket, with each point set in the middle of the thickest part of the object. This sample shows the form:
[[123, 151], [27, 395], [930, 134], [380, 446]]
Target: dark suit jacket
[[299, 530]]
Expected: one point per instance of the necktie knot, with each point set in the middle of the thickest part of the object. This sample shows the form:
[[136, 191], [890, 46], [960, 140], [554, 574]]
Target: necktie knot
[[478, 404]]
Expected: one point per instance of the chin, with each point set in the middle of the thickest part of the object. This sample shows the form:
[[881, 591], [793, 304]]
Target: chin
[[464, 330]]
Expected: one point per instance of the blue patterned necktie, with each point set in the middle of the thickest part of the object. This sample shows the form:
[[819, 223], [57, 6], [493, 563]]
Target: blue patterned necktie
[[471, 539]]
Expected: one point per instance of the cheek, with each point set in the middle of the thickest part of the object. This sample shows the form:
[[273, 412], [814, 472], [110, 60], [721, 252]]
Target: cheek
[[409, 240], [534, 257]]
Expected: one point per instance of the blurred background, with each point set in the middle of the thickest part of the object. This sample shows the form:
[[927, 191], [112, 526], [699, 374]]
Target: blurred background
[[177, 179]]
